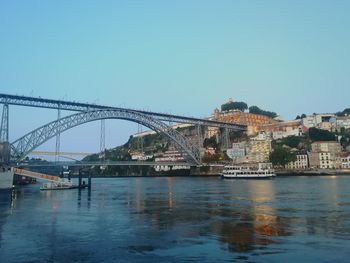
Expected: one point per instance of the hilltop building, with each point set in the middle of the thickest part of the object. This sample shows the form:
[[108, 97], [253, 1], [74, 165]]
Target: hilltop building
[[253, 121]]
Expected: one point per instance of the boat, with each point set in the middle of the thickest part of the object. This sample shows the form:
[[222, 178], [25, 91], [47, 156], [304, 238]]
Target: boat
[[263, 171], [61, 185], [6, 178]]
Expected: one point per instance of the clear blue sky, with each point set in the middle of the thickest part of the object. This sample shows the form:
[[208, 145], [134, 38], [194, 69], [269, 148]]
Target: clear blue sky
[[184, 57]]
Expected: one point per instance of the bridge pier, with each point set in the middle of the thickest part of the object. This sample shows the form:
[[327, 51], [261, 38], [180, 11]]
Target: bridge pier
[[5, 152]]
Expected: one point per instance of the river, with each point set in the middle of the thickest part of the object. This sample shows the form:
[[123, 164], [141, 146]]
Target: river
[[180, 219]]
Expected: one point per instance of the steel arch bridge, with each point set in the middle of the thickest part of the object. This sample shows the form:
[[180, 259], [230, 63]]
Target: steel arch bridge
[[27, 143]]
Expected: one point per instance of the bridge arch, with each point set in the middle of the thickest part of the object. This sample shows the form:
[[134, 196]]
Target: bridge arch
[[27, 143]]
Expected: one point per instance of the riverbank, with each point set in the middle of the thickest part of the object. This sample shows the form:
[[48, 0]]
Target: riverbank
[[315, 172]]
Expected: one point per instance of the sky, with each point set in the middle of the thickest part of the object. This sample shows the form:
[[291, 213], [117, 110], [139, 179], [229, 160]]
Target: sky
[[182, 57]]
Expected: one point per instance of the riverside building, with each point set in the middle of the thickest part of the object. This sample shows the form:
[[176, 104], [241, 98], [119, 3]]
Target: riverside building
[[301, 163], [323, 154]]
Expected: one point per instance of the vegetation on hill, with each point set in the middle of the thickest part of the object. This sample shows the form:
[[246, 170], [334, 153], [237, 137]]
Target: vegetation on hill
[[214, 158], [210, 142], [257, 110], [280, 156], [297, 142], [150, 143], [300, 116], [345, 112], [242, 106], [234, 105], [321, 135], [303, 143]]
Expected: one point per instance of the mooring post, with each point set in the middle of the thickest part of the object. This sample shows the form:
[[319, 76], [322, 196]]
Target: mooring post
[[80, 179], [89, 182]]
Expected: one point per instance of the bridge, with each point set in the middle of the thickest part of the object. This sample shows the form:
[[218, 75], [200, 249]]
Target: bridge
[[102, 163], [16, 151]]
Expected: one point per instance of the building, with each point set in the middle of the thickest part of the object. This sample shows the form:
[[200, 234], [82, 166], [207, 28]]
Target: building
[[281, 130], [324, 154], [139, 156], [301, 163], [323, 160], [343, 122], [325, 121], [238, 152], [343, 160], [346, 162], [253, 121], [259, 151], [326, 146], [171, 156]]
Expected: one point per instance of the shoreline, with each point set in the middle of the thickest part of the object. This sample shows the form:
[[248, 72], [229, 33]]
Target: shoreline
[[318, 172]]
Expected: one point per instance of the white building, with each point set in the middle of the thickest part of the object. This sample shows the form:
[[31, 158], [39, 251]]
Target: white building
[[283, 134], [343, 122], [140, 157], [171, 156], [345, 162], [237, 150], [283, 129], [324, 121], [301, 163], [326, 161]]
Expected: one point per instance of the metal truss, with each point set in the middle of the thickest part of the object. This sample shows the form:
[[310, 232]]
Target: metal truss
[[27, 143], [76, 106]]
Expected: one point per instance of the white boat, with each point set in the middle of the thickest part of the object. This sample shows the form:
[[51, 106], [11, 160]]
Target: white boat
[[63, 184], [59, 185], [6, 178], [263, 171]]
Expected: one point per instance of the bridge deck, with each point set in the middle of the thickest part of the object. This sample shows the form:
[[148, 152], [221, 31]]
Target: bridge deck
[[110, 163], [77, 106]]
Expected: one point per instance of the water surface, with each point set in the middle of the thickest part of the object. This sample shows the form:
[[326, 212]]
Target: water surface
[[182, 219]]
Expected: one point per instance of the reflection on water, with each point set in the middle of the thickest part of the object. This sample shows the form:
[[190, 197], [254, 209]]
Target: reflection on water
[[244, 222], [180, 219]]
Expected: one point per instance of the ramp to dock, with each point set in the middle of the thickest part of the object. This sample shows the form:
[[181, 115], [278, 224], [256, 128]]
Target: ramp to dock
[[36, 175]]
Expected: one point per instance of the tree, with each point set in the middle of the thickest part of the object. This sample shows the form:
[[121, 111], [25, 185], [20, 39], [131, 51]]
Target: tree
[[292, 141], [213, 158], [282, 156], [321, 135], [302, 116], [210, 142], [257, 110], [345, 112], [234, 105]]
